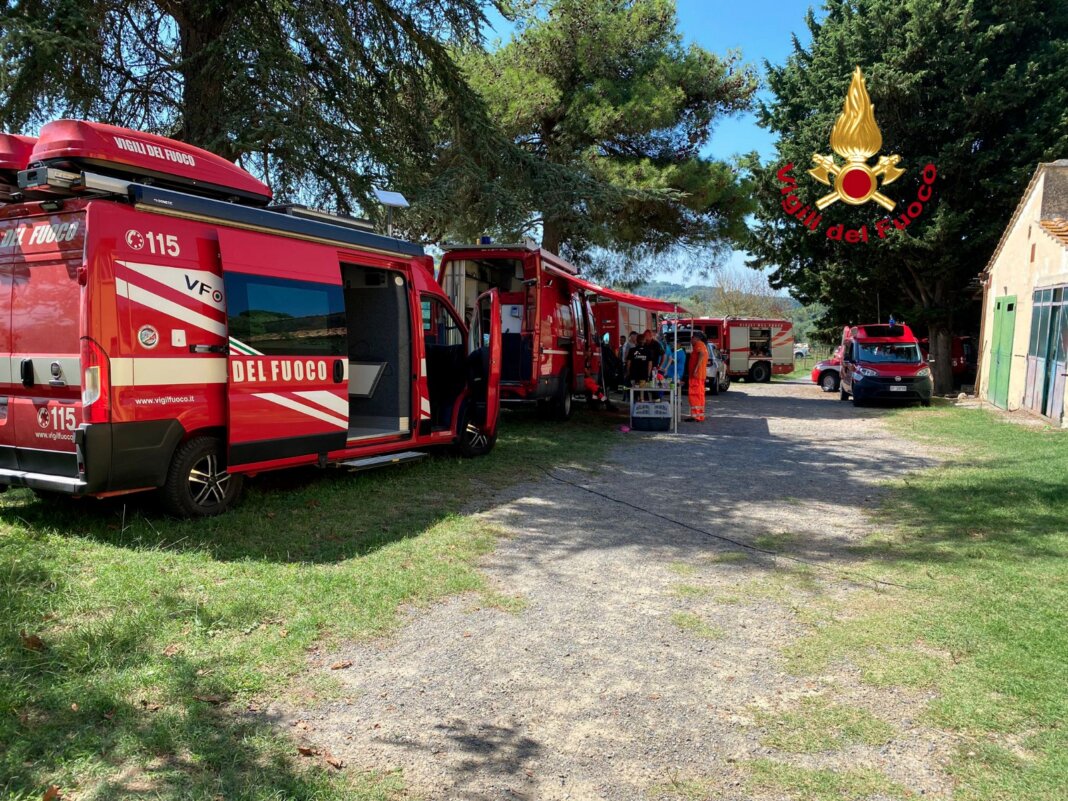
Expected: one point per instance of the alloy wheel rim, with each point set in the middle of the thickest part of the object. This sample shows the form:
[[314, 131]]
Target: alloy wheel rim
[[208, 481], [476, 440]]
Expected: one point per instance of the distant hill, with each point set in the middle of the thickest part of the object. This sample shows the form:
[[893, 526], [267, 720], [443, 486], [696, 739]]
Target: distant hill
[[665, 290]]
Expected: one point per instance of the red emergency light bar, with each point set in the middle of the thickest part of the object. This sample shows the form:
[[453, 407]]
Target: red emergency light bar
[[14, 156], [70, 144]]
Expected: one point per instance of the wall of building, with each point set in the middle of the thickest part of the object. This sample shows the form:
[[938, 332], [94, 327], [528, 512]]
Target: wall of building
[[1030, 258]]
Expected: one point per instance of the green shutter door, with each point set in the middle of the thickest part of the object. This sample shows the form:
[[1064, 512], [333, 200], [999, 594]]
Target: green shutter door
[[1001, 349]]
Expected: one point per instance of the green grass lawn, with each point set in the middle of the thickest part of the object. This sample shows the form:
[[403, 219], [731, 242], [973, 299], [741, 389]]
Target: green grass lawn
[[132, 646], [802, 371], [982, 542]]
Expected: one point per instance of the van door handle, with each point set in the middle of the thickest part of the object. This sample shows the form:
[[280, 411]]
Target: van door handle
[[339, 371], [26, 371]]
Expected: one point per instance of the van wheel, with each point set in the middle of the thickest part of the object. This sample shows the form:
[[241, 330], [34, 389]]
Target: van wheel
[[197, 484], [472, 441], [760, 373], [829, 381], [562, 402]]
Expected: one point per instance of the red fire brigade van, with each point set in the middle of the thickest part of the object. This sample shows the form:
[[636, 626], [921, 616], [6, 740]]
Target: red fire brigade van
[[549, 349], [883, 362], [755, 348], [163, 327]]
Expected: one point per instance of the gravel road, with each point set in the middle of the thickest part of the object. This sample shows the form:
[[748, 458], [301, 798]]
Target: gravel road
[[613, 681]]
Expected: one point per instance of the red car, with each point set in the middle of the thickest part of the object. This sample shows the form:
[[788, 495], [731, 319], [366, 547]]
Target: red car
[[828, 373]]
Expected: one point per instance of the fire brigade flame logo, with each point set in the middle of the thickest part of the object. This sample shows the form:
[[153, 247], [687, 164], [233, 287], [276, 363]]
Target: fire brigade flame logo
[[856, 138]]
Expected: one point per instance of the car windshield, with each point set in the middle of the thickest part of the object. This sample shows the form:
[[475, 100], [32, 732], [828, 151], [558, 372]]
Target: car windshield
[[890, 353]]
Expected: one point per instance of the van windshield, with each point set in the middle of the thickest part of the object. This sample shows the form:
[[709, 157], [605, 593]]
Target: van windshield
[[889, 353]]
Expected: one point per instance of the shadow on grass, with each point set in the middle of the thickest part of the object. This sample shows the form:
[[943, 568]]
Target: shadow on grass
[[61, 727], [310, 515], [157, 633]]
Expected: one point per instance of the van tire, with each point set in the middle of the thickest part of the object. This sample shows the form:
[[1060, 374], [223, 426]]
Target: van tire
[[197, 482], [760, 373], [471, 442], [562, 406]]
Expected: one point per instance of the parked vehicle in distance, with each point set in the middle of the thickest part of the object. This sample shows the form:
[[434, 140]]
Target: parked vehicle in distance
[[801, 350], [719, 380], [168, 329], [550, 347], [753, 348], [964, 358], [828, 373], [883, 362]]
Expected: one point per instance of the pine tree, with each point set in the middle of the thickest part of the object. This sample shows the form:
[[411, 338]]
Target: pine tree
[[979, 88]]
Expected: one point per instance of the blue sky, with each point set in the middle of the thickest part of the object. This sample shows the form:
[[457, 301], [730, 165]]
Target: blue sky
[[760, 29]]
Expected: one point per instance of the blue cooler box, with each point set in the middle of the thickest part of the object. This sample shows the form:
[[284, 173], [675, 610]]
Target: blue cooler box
[[651, 416]]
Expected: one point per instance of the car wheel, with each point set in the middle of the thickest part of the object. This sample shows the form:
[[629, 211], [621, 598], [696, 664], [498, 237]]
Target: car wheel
[[857, 402], [829, 381], [726, 384], [198, 484], [713, 386], [760, 373], [925, 402]]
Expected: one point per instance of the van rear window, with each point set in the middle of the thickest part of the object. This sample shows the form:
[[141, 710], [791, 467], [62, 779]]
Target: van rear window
[[889, 353]]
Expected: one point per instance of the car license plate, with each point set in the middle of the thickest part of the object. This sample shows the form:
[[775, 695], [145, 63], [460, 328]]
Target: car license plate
[[896, 388]]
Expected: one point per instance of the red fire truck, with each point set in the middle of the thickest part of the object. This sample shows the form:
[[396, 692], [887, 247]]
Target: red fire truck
[[164, 327], [756, 348], [549, 348]]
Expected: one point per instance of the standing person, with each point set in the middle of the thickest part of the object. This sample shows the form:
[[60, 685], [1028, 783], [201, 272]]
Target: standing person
[[639, 365], [698, 364], [667, 362], [676, 368], [628, 346], [653, 347]]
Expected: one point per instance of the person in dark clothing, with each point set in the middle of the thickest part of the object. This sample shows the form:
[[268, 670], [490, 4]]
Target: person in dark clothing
[[639, 365], [612, 367], [653, 348]]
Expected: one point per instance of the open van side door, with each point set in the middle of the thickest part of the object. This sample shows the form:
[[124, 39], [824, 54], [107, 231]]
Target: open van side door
[[287, 386], [486, 340]]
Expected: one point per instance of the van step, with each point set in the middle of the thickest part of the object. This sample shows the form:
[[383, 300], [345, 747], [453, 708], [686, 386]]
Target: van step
[[382, 461]]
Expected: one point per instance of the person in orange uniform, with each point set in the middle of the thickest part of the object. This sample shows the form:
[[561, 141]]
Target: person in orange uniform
[[698, 366]]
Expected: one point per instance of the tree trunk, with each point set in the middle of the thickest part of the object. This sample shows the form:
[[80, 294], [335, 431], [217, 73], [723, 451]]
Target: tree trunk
[[941, 341], [552, 235], [201, 26]]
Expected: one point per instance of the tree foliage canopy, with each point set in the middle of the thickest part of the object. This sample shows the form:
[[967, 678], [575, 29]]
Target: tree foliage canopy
[[321, 97], [608, 88], [977, 87]]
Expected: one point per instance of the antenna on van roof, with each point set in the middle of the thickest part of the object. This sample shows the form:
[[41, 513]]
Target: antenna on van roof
[[391, 200]]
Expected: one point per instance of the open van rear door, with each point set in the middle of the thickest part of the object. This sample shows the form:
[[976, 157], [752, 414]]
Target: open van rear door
[[486, 338], [287, 389]]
